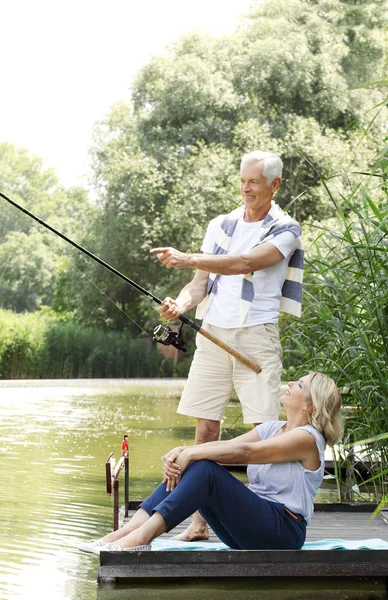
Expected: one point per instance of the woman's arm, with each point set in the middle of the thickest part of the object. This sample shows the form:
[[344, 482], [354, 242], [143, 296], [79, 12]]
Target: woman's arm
[[297, 445], [172, 469]]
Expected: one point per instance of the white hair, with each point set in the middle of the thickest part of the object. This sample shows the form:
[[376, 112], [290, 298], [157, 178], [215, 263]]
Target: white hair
[[271, 164]]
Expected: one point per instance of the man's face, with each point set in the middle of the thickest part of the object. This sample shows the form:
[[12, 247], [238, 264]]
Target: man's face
[[254, 188]]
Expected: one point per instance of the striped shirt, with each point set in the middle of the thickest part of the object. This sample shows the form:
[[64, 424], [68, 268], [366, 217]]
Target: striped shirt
[[275, 223]]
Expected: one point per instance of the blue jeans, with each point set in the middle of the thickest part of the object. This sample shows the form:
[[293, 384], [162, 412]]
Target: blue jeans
[[241, 519]]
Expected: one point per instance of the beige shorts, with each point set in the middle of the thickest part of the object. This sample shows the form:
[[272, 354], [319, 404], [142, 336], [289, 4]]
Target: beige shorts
[[214, 373]]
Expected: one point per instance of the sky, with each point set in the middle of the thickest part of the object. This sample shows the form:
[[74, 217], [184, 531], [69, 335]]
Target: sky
[[64, 64]]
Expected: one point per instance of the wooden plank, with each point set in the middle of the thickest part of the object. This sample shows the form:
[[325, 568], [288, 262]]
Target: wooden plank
[[245, 557], [118, 467], [241, 564], [218, 571], [345, 507], [350, 526]]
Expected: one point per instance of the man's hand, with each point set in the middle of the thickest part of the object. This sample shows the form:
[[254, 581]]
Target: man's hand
[[171, 258], [169, 309]]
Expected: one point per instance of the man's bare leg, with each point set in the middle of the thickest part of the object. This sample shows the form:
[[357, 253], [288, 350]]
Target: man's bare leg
[[206, 431]]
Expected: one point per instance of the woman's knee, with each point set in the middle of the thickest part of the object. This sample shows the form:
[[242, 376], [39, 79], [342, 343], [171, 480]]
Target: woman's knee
[[202, 469], [200, 465]]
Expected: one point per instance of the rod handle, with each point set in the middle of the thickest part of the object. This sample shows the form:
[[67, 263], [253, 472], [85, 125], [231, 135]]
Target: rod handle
[[232, 351]]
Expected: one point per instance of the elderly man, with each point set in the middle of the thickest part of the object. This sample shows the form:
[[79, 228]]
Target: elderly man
[[251, 268]]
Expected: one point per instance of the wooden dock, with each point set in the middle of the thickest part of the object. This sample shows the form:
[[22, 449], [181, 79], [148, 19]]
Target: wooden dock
[[330, 521]]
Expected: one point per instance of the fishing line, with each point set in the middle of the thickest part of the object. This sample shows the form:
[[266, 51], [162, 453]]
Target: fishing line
[[162, 333], [110, 299], [133, 321]]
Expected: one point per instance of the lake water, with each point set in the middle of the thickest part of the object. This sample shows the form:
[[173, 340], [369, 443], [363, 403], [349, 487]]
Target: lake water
[[54, 440]]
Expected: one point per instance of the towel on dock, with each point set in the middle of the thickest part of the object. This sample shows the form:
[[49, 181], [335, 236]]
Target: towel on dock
[[329, 544], [333, 544]]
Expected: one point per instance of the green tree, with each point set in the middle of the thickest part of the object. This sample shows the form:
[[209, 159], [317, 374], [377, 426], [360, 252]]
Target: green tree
[[29, 254], [28, 272], [167, 162]]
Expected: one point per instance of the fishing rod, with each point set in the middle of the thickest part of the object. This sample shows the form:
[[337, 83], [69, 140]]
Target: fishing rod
[[163, 334]]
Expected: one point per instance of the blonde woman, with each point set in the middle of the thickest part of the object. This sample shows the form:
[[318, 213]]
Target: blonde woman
[[285, 469]]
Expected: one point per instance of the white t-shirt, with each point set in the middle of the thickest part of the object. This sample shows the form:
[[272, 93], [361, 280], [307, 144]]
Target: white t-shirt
[[224, 310]]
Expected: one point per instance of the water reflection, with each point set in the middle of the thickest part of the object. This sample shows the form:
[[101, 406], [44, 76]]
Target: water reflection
[[53, 444], [54, 440], [269, 589]]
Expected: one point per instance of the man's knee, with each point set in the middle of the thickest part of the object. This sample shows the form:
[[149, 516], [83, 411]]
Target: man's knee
[[207, 431]]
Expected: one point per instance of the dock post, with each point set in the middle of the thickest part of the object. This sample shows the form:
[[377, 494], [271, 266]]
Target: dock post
[[115, 504], [108, 473], [126, 487]]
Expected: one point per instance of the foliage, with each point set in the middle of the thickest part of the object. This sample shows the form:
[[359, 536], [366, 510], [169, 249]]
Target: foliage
[[344, 330], [28, 273], [167, 162], [30, 256], [21, 345], [43, 345]]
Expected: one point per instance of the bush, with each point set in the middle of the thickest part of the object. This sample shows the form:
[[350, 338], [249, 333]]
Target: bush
[[46, 346]]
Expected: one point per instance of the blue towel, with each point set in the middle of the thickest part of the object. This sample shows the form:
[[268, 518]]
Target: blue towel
[[329, 544], [334, 544], [163, 544]]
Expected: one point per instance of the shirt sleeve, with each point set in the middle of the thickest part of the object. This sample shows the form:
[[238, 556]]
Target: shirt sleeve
[[285, 242], [210, 235], [263, 429], [319, 439]]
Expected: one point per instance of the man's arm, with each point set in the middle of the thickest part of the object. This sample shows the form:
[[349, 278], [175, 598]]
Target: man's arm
[[261, 257], [190, 296]]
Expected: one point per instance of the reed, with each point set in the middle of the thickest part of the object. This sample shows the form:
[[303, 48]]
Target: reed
[[21, 344], [48, 347], [344, 329]]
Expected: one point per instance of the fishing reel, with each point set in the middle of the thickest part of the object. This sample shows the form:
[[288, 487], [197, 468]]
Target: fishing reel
[[163, 334]]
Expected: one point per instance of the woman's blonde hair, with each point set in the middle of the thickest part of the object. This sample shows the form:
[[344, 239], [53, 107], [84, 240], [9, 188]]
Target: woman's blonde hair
[[326, 414]]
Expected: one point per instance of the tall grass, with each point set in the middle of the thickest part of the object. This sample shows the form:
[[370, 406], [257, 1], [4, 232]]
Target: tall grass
[[45, 346], [21, 344], [344, 329]]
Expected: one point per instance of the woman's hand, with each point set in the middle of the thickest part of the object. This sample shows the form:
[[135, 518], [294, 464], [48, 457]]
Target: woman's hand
[[171, 471], [182, 461], [169, 459], [174, 464]]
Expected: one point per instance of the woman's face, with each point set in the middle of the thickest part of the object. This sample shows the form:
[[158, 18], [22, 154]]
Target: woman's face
[[297, 394]]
